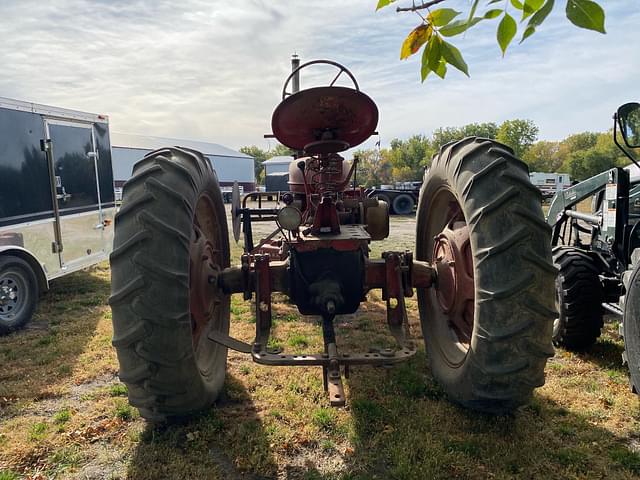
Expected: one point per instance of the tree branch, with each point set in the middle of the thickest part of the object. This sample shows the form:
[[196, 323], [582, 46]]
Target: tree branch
[[414, 8]]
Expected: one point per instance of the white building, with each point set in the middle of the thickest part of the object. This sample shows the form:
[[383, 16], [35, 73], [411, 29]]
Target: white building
[[229, 164], [277, 164]]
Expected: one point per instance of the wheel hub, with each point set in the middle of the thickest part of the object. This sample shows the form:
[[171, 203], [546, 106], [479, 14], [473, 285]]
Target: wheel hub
[[203, 273], [8, 296], [455, 289]]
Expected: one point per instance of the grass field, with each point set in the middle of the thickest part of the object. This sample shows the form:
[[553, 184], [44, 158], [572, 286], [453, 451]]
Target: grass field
[[64, 414]]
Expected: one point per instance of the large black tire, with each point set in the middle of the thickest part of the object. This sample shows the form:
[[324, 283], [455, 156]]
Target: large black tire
[[403, 204], [169, 371], [502, 361], [630, 328], [579, 293], [18, 293]]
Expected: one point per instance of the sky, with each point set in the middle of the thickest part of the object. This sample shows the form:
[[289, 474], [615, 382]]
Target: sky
[[213, 70]]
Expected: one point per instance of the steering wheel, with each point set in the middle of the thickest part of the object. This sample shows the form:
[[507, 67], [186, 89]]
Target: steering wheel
[[342, 68]]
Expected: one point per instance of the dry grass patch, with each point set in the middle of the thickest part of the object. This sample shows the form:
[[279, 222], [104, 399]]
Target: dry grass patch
[[64, 412]]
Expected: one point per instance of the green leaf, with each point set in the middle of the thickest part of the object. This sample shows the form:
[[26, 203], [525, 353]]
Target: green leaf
[[458, 27], [493, 1], [416, 38], [489, 14], [506, 31], [442, 16], [530, 7], [434, 52], [383, 3], [537, 19], [472, 12], [528, 32], [517, 4], [586, 14], [432, 59], [453, 57], [441, 69]]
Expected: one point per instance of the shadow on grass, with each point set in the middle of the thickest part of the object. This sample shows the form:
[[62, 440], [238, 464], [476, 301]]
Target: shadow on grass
[[399, 425], [45, 353], [606, 354], [405, 428], [227, 442]]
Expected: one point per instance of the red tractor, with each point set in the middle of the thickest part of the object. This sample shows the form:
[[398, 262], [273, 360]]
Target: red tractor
[[482, 268]]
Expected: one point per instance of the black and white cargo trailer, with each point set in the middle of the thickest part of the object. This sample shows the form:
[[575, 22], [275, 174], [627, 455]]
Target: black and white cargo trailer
[[56, 200]]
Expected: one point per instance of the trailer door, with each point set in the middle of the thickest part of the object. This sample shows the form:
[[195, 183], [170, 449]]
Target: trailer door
[[77, 191]]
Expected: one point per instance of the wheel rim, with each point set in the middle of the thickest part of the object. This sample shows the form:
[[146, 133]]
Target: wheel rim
[[404, 204], [556, 321], [206, 261], [452, 301], [13, 295]]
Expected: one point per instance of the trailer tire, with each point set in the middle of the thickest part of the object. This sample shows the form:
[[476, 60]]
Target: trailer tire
[[403, 204], [630, 328], [580, 296], [489, 349], [170, 230], [18, 293]]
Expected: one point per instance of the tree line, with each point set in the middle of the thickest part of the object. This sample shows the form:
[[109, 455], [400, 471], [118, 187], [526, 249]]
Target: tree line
[[581, 155]]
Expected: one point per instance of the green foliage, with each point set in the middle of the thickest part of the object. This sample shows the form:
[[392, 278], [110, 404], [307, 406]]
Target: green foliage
[[444, 22], [626, 458], [518, 134], [586, 14], [507, 29], [37, 431], [406, 160], [123, 411], [444, 135], [118, 390], [582, 155], [259, 155], [62, 416], [8, 475], [324, 418]]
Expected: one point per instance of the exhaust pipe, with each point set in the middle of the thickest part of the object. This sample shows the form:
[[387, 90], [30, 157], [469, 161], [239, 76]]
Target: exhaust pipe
[[295, 81]]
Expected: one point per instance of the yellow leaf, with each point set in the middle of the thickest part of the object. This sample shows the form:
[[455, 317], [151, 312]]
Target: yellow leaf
[[418, 37]]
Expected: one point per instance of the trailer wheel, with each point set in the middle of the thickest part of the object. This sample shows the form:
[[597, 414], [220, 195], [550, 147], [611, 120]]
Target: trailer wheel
[[630, 328], [403, 204], [18, 293], [579, 294], [171, 241], [488, 322]]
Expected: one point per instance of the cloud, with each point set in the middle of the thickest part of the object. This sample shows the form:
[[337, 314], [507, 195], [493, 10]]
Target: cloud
[[213, 70]]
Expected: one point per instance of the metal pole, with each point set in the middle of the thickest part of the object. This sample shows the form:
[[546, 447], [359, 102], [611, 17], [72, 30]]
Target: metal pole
[[295, 81], [57, 232]]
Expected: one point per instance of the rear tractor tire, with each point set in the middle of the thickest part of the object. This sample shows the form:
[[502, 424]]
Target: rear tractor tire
[[630, 328], [488, 322], [171, 240], [579, 294]]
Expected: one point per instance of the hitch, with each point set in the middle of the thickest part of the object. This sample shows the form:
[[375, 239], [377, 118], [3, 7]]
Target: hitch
[[396, 274]]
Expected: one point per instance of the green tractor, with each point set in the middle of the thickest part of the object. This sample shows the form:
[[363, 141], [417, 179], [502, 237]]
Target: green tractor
[[598, 253]]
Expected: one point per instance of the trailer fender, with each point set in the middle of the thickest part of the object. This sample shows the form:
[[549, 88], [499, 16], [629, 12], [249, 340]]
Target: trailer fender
[[27, 256]]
